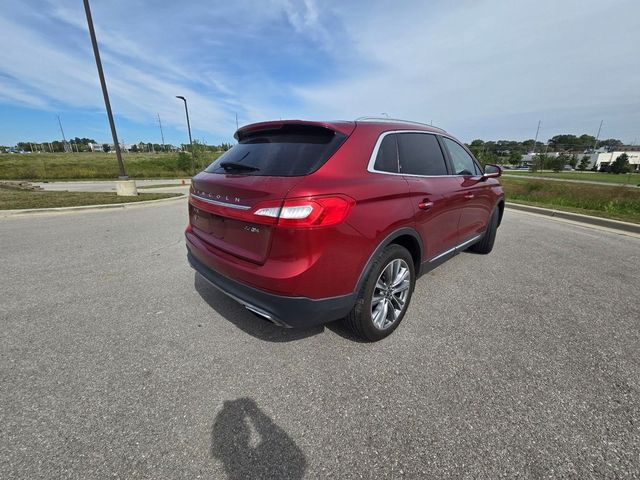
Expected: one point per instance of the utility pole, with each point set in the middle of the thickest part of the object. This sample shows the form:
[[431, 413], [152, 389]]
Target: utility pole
[[595, 145], [105, 94], [535, 141], [236, 121], [64, 140], [161, 133]]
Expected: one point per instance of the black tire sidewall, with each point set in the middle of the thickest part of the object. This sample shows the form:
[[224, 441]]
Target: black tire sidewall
[[389, 254]]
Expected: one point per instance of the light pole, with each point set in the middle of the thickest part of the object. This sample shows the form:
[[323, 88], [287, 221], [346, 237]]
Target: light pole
[[105, 94], [186, 111]]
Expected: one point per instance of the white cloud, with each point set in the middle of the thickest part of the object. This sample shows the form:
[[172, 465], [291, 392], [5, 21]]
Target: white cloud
[[478, 68], [478, 61]]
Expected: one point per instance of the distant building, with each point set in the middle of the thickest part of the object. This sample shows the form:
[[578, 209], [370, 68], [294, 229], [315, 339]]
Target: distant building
[[97, 147], [607, 158]]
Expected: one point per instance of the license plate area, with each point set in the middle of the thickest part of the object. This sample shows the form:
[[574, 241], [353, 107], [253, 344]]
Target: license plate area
[[212, 224]]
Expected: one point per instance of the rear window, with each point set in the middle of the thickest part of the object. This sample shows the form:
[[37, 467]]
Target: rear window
[[387, 158], [290, 151]]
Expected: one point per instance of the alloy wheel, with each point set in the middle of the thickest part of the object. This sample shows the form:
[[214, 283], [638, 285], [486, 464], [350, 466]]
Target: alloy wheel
[[390, 294]]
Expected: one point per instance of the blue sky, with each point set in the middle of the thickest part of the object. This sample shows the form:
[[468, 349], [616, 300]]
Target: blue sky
[[480, 69]]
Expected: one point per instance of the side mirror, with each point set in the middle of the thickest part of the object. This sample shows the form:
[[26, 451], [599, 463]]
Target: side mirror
[[492, 171]]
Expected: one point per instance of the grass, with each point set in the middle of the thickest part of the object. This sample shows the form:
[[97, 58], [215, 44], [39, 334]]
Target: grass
[[630, 178], [86, 165], [613, 202], [19, 199]]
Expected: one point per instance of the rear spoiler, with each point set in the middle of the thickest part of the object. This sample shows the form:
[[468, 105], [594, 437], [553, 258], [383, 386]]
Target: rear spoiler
[[345, 128]]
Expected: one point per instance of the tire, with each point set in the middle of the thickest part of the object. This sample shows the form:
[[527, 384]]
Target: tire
[[485, 245], [392, 279]]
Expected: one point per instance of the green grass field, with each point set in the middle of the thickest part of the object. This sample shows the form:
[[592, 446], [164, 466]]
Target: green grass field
[[19, 199], [629, 178], [83, 166], [615, 202]]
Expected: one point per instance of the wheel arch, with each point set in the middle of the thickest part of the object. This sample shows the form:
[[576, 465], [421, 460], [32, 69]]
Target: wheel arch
[[405, 237]]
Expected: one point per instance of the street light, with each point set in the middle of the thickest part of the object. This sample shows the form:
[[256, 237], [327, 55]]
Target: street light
[[186, 111], [105, 94]]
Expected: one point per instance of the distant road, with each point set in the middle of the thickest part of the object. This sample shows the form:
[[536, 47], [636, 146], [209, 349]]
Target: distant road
[[591, 182], [106, 185]]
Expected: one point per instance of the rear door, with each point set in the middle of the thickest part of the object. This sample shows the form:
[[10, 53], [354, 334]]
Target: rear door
[[423, 165], [257, 172], [474, 193]]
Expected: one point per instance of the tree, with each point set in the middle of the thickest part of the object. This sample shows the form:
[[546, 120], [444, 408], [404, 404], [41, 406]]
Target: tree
[[515, 158], [487, 158], [584, 163], [621, 164], [134, 148], [611, 143], [106, 148], [573, 161], [557, 163], [538, 162], [571, 143]]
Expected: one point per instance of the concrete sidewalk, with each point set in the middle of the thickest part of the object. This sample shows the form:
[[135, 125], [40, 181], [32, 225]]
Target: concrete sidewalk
[[106, 185]]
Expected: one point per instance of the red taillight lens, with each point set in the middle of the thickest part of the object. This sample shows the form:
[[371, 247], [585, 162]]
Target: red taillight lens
[[307, 212]]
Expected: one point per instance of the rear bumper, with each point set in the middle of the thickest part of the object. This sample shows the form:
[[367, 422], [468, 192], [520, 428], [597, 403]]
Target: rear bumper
[[291, 312]]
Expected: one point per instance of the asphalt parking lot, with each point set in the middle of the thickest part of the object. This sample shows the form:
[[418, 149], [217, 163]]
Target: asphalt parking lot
[[118, 361]]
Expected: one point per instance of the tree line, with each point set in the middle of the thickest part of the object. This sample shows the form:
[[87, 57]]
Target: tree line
[[571, 148], [83, 145]]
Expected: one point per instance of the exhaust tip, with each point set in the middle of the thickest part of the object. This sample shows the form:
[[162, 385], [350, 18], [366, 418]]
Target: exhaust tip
[[265, 315]]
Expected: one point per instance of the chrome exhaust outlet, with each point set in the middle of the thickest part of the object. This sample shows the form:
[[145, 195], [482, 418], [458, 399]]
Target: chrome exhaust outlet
[[265, 315]]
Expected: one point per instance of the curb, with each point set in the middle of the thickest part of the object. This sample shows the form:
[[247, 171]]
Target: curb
[[577, 217], [84, 208]]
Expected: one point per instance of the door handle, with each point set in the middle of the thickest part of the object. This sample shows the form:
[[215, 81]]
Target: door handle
[[469, 196], [425, 205]]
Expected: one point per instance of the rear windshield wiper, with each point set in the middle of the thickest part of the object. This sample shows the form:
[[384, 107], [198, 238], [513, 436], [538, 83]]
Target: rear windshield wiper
[[238, 166]]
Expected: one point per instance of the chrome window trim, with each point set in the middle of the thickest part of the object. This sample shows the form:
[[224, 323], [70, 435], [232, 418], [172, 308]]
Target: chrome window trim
[[374, 154], [220, 204], [455, 248]]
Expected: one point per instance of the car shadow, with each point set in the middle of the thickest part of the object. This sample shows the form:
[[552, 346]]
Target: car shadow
[[250, 445], [246, 321]]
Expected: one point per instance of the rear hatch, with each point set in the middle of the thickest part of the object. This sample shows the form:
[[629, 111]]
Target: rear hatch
[[253, 177]]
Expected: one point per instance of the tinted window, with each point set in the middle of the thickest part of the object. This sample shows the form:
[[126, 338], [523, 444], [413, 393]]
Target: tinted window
[[420, 154], [387, 158], [292, 150], [463, 164]]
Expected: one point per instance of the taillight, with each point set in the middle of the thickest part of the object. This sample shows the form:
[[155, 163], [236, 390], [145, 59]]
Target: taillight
[[307, 212]]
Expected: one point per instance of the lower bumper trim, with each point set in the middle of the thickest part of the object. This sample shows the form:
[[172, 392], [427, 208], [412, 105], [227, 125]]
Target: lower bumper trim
[[291, 312]]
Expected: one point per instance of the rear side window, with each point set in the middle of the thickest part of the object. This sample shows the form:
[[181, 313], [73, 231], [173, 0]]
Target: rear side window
[[290, 151], [387, 158], [463, 164], [420, 154]]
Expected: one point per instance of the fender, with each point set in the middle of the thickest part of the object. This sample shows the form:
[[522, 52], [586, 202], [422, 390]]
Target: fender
[[388, 240]]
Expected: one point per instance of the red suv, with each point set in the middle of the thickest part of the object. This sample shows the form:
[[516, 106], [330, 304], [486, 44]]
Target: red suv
[[309, 222]]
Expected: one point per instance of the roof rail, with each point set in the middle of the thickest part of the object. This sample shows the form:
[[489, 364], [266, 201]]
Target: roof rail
[[388, 119]]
